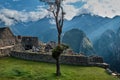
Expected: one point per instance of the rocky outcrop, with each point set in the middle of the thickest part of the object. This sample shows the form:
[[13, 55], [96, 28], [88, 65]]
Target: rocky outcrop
[[78, 41]]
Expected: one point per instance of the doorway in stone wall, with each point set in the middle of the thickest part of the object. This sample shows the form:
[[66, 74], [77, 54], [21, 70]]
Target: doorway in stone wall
[[28, 47]]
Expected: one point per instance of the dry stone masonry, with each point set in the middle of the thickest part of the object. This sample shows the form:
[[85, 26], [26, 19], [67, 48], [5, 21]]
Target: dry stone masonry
[[64, 59]]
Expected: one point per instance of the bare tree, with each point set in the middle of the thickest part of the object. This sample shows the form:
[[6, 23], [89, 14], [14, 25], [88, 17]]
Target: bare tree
[[55, 6]]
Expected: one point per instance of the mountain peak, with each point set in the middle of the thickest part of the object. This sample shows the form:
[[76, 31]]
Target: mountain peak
[[78, 41]]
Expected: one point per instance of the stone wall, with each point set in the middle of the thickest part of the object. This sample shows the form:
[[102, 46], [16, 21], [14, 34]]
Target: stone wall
[[64, 59], [5, 52]]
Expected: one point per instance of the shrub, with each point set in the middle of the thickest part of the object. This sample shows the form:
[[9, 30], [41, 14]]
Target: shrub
[[56, 52]]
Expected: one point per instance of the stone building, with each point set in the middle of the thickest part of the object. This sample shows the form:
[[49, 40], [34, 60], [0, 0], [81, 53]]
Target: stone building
[[28, 42], [7, 41], [7, 38]]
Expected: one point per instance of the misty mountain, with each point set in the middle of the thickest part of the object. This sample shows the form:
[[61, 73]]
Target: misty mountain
[[93, 26], [78, 41], [42, 29], [108, 46]]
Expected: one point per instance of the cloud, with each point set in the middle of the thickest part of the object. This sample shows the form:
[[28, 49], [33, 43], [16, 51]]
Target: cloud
[[70, 10], [6, 20], [104, 8], [10, 17]]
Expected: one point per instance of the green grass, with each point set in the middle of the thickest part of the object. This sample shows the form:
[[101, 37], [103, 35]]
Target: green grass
[[16, 69]]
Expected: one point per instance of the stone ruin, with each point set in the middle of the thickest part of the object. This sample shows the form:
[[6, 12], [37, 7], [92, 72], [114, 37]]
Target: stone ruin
[[6, 37], [7, 41], [16, 46], [27, 42], [64, 59]]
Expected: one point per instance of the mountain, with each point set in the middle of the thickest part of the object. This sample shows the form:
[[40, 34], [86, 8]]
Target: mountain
[[42, 29], [78, 41], [93, 26], [108, 46]]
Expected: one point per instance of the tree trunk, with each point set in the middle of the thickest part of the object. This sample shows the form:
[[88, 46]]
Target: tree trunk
[[58, 73], [59, 39]]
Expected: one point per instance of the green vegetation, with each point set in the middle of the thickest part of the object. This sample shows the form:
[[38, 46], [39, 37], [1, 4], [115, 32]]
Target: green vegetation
[[16, 69]]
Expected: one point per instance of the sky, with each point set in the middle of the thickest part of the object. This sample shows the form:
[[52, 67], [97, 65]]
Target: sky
[[13, 11]]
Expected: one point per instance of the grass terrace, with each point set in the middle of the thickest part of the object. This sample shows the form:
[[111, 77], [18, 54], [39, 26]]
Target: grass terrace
[[17, 69]]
